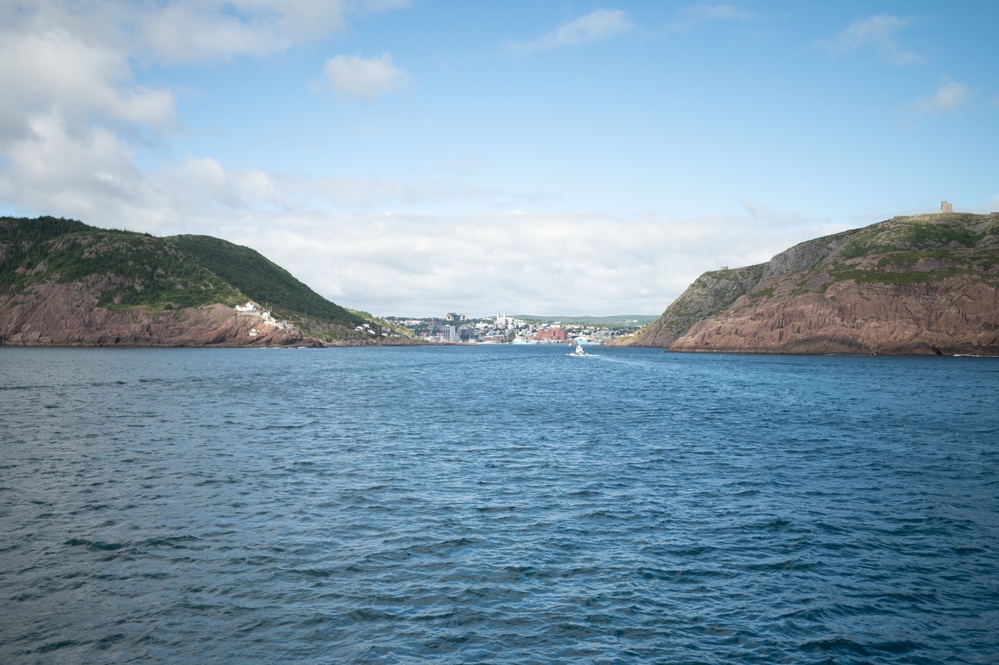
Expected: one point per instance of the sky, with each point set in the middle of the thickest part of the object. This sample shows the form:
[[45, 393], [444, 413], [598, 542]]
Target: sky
[[418, 157]]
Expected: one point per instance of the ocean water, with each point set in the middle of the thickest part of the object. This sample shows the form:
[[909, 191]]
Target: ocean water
[[496, 505]]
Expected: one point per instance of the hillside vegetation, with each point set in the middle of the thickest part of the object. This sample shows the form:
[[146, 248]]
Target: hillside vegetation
[[138, 272], [147, 271], [263, 281], [922, 284]]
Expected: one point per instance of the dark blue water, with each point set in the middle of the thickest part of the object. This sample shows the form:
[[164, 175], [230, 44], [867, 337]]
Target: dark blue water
[[496, 505]]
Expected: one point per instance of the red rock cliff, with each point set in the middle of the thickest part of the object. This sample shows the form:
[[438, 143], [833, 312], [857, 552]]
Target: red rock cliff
[[56, 314], [911, 285]]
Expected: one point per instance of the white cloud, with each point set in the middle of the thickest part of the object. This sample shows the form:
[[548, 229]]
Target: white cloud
[[39, 71], [207, 171], [77, 58], [552, 262], [364, 78], [53, 168], [877, 32], [72, 119], [193, 31], [202, 186], [257, 187], [596, 26], [949, 97], [549, 262]]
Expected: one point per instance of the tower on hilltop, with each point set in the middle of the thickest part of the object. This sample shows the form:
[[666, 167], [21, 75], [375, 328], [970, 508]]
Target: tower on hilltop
[[946, 207]]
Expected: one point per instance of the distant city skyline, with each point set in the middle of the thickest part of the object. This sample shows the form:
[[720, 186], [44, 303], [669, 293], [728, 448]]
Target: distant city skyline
[[584, 158]]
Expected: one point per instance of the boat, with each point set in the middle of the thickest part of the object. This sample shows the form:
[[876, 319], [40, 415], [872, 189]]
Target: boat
[[579, 350]]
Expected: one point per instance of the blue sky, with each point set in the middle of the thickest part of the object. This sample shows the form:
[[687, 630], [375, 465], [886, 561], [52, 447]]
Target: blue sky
[[420, 157]]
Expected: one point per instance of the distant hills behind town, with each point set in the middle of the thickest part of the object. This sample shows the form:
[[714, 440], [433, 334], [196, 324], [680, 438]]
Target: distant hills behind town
[[605, 321]]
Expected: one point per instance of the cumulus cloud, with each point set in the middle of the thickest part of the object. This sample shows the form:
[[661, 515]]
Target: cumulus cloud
[[72, 119], [54, 168], [599, 25], [363, 78], [201, 186], [876, 32], [73, 122], [40, 71], [948, 97], [77, 58]]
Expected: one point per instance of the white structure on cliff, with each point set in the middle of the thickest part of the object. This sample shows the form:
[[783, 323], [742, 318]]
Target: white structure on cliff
[[946, 207]]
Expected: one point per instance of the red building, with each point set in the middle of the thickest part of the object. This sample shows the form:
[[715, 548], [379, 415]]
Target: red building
[[553, 335]]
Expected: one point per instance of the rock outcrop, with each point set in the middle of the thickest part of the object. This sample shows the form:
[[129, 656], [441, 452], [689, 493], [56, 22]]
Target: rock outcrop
[[910, 285]]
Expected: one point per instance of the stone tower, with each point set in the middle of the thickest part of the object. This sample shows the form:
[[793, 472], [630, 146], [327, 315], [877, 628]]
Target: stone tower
[[946, 207]]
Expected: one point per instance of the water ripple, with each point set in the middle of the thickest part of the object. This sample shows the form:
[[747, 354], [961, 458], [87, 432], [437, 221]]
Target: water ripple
[[499, 505]]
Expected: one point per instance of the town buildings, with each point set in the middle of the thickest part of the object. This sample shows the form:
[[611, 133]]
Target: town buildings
[[456, 328]]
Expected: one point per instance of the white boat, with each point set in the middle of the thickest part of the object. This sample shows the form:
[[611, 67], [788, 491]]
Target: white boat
[[579, 350]]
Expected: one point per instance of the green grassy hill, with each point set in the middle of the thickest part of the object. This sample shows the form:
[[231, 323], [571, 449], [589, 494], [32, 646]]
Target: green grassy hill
[[136, 270], [263, 281]]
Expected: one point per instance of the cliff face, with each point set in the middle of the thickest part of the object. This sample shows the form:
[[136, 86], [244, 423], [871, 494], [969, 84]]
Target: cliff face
[[52, 314], [709, 295], [909, 285], [65, 283]]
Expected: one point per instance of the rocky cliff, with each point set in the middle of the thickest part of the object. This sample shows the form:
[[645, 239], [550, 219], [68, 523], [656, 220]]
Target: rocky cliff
[[927, 284], [65, 283], [51, 314]]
